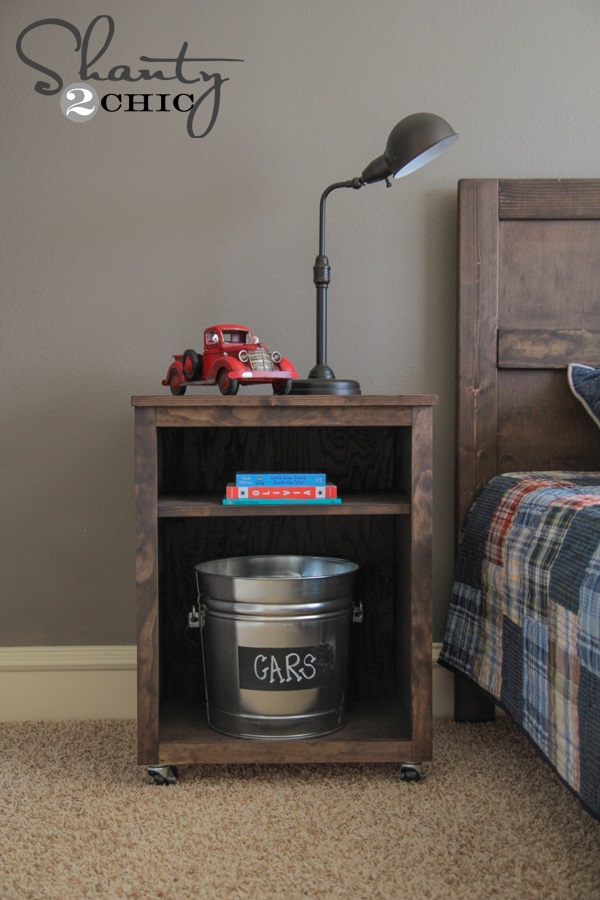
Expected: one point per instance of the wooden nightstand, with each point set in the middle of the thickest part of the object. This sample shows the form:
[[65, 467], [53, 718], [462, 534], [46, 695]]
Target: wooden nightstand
[[378, 450]]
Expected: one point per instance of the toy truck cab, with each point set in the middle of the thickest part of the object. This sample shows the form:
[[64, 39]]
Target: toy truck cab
[[231, 356]]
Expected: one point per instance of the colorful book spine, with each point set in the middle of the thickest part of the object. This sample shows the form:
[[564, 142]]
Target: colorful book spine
[[262, 492], [280, 479], [227, 501]]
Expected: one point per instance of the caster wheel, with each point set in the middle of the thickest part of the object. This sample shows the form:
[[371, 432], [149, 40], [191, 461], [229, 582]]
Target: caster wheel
[[412, 773], [163, 774]]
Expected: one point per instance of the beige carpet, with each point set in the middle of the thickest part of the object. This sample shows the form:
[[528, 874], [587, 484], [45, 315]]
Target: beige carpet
[[77, 820]]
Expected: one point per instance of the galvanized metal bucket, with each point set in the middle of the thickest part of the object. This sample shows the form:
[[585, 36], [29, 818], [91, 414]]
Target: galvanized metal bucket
[[275, 635]]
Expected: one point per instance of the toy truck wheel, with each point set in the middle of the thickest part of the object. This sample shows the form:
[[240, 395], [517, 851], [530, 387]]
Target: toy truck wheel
[[191, 365], [283, 386], [176, 384], [228, 386]]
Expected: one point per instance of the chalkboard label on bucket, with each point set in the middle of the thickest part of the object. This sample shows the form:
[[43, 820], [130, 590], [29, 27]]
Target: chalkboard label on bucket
[[286, 668]]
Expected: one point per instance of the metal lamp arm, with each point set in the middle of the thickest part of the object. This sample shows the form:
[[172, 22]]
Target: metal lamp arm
[[321, 272], [355, 183]]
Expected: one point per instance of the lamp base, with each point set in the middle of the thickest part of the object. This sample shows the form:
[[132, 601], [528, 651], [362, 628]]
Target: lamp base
[[324, 386]]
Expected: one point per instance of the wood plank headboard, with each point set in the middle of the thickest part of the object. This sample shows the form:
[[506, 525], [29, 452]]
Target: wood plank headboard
[[529, 303]]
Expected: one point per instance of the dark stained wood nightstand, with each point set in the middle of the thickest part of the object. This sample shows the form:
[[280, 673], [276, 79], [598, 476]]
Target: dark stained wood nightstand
[[378, 450]]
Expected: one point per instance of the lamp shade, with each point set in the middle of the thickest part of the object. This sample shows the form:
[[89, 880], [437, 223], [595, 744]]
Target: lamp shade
[[412, 143]]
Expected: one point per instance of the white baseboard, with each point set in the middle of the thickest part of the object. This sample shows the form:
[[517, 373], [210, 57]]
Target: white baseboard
[[62, 683]]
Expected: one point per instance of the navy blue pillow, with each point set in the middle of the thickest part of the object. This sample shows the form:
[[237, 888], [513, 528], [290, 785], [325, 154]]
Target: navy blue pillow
[[585, 384]]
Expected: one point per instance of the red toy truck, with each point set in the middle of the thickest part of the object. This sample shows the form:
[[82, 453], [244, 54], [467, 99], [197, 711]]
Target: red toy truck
[[232, 356]]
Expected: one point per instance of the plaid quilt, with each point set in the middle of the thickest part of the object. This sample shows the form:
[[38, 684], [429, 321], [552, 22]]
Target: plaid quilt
[[524, 620]]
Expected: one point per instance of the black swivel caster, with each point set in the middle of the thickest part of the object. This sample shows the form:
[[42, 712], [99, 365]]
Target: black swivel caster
[[163, 774], [412, 773]]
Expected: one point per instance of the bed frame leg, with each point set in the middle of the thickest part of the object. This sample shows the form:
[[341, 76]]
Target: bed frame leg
[[471, 704]]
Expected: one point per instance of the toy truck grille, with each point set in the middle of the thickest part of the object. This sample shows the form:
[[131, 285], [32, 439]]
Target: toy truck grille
[[260, 360]]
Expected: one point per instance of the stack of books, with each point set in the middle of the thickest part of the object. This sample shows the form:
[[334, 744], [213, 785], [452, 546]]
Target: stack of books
[[263, 488]]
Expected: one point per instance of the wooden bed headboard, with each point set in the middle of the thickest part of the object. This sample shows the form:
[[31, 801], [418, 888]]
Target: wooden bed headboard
[[529, 303]]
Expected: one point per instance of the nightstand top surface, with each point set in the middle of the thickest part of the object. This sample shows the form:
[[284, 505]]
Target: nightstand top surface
[[258, 400]]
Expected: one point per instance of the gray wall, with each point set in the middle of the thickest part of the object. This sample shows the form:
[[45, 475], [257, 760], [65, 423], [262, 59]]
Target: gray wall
[[123, 237]]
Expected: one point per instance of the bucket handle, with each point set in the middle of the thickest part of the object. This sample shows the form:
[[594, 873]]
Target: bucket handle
[[357, 611], [198, 613]]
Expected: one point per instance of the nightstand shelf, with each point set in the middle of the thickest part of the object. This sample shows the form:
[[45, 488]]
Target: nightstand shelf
[[353, 505], [377, 731]]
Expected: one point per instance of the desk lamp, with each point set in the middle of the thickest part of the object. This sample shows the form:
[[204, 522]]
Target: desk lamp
[[412, 143]]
